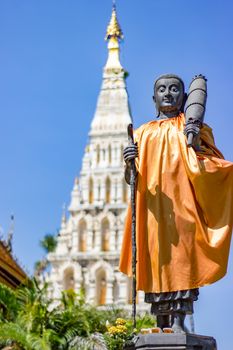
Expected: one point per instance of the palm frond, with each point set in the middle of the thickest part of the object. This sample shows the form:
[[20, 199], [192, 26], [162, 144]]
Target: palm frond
[[13, 332], [93, 342], [8, 303], [96, 341], [78, 343], [40, 342]]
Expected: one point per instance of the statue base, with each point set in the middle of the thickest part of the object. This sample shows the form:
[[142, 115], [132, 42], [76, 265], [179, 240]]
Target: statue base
[[174, 341]]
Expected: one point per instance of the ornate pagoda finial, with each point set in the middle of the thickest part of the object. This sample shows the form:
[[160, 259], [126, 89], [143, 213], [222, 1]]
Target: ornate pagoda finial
[[113, 36], [114, 29]]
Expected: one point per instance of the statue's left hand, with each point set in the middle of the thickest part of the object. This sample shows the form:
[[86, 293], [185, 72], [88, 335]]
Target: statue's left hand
[[191, 128]]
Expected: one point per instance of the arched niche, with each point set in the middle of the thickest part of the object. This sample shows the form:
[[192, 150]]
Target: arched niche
[[101, 287], [82, 234], [105, 234], [97, 154], [116, 290], [68, 279], [91, 193], [99, 191], [108, 190], [125, 191], [109, 154], [129, 291]]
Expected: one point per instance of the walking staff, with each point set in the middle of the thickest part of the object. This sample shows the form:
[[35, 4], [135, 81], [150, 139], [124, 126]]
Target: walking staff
[[133, 208]]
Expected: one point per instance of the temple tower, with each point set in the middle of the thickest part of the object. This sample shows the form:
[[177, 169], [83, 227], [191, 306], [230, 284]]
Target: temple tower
[[89, 240]]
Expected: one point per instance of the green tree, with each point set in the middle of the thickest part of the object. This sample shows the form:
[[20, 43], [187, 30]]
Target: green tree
[[49, 243]]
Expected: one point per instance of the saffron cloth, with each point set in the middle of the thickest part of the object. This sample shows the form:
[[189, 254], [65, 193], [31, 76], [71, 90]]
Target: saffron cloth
[[184, 208]]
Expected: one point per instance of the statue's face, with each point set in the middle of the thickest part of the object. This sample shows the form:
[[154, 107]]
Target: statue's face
[[168, 95]]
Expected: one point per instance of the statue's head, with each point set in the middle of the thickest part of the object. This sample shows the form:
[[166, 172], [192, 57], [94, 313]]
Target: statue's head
[[169, 95]]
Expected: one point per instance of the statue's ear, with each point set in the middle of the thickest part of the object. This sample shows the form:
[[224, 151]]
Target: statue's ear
[[184, 101], [153, 98]]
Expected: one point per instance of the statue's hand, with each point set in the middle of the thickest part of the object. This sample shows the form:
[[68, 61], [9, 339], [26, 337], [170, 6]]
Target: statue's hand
[[130, 152], [191, 129]]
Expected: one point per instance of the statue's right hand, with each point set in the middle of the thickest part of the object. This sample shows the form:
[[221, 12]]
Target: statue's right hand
[[130, 152]]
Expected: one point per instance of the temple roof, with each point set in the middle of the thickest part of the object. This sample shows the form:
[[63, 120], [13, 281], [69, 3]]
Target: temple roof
[[11, 274]]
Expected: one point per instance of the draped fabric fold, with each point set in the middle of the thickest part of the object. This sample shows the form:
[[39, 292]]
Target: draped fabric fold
[[184, 206]]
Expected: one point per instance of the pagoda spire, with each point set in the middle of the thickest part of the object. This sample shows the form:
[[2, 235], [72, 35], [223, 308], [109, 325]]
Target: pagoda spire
[[114, 35], [112, 111], [89, 240]]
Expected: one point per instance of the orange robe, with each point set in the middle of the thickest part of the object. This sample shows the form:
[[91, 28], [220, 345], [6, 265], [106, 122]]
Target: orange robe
[[184, 207]]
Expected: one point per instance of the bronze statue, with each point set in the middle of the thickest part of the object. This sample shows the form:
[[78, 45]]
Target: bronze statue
[[184, 203]]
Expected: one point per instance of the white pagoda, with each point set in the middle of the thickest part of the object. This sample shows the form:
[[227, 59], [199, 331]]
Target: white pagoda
[[89, 241]]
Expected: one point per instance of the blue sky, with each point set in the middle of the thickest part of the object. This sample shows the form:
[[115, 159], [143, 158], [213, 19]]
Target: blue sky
[[51, 58]]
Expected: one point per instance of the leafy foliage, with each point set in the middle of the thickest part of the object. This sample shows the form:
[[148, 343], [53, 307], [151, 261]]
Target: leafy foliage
[[8, 303], [29, 320], [95, 341]]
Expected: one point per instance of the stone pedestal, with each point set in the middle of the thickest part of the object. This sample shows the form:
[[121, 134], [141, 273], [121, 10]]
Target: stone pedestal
[[175, 341]]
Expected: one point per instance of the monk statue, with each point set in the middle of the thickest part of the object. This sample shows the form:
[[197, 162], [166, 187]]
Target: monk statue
[[184, 203]]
